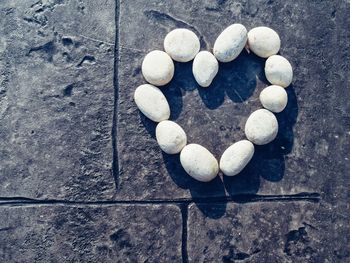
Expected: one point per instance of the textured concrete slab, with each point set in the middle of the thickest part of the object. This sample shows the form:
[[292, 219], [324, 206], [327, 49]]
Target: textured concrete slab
[[56, 99], [311, 150], [268, 233], [124, 233], [60, 140]]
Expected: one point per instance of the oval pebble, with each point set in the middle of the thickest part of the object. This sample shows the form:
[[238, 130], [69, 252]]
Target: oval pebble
[[236, 157], [199, 163], [158, 68], [264, 41], [274, 98], [170, 137], [152, 103], [205, 67], [278, 71], [181, 44], [261, 127], [230, 43]]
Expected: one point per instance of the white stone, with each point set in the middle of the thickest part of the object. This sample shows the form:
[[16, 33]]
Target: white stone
[[264, 41], [236, 157], [230, 43], [170, 137], [199, 163], [261, 127], [152, 103], [181, 44], [278, 71], [205, 67], [274, 98], [158, 68]]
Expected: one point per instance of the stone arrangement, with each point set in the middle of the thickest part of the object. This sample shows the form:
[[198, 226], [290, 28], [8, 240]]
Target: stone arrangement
[[182, 45]]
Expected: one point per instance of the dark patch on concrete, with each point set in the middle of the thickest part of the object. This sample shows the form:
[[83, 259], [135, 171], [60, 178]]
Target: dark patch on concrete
[[87, 59]]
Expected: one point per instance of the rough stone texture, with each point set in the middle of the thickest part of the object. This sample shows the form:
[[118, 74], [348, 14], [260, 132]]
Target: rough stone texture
[[124, 233], [311, 151], [56, 99], [56, 119], [269, 233]]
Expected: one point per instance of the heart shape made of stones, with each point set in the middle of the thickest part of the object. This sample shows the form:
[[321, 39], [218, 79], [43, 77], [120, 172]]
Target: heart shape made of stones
[[261, 127]]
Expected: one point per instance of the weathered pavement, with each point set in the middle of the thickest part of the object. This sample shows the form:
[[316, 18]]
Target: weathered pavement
[[83, 180]]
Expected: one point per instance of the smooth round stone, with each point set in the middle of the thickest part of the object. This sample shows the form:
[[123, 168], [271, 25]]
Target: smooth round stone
[[230, 43], [205, 67], [264, 41], [278, 71], [261, 127], [170, 137], [236, 157], [181, 44], [199, 163], [158, 68], [274, 98], [152, 103]]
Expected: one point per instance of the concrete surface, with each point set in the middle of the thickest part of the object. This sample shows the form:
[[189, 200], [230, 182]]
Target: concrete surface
[[61, 233], [82, 178]]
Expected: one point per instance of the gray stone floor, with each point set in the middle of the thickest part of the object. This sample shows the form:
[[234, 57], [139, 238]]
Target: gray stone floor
[[83, 180]]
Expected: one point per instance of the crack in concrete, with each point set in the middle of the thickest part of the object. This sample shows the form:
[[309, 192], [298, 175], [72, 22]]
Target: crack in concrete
[[133, 49], [97, 40]]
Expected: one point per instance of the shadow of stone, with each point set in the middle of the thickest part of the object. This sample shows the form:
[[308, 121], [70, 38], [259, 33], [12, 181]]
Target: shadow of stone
[[149, 125], [246, 182], [212, 210], [236, 79], [199, 190], [183, 80], [286, 120]]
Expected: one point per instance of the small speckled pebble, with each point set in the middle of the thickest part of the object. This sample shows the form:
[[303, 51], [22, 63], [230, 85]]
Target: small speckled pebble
[[278, 71], [205, 67], [199, 163], [264, 41], [170, 137], [236, 157], [274, 98], [158, 68], [261, 127], [181, 44], [152, 103], [230, 43]]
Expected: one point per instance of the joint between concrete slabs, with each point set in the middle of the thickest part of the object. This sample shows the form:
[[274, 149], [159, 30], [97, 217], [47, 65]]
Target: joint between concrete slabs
[[184, 214], [301, 197], [115, 160]]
